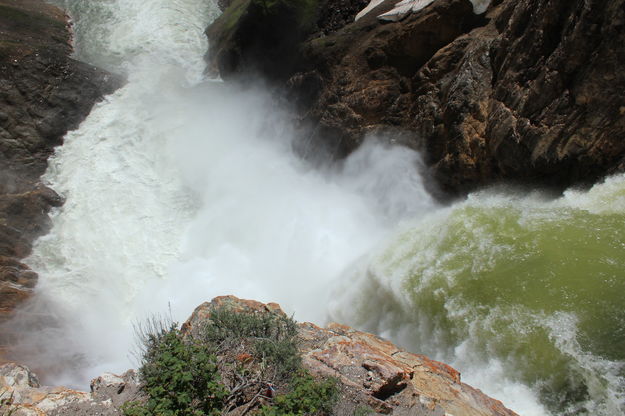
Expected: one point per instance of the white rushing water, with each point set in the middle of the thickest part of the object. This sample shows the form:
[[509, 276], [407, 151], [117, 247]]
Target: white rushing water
[[179, 189]]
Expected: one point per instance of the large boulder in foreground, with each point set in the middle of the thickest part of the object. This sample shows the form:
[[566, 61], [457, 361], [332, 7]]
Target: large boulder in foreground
[[372, 374], [372, 371], [43, 94]]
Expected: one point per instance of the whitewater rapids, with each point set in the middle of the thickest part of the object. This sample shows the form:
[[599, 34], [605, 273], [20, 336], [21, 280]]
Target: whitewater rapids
[[179, 189]]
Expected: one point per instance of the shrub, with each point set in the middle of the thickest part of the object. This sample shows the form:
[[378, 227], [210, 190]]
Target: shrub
[[273, 338], [238, 357], [179, 376], [6, 403], [307, 397]]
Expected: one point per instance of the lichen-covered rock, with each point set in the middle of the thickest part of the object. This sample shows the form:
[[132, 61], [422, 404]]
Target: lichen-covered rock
[[388, 379]]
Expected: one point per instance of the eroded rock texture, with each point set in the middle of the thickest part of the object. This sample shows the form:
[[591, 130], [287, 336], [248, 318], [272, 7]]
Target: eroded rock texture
[[22, 395], [530, 91], [365, 73], [537, 95], [372, 372], [43, 94]]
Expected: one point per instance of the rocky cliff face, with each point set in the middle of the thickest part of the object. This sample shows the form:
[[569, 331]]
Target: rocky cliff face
[[529, 91], [43, 94], [372, 373], [535, 95]]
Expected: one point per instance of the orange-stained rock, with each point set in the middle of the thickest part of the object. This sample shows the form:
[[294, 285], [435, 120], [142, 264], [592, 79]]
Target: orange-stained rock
[[372, 370], [201, 314]]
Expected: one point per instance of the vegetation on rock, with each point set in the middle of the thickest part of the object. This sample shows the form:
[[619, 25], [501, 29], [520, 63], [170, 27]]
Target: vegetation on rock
[[179, 376], [246, 362], [6, 402]]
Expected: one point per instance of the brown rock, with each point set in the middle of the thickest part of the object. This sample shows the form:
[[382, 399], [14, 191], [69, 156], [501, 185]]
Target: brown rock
[[335, 14], [43, 94], [371, 371], [366, 70], [524, 97], [389, 379], [529, 92], [201, 315]]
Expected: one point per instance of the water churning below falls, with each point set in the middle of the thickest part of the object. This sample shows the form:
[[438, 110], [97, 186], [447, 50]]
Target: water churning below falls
[[180, 189]]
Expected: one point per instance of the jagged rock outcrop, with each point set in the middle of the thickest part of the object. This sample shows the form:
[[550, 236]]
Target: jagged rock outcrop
[[22, 395], [364, 73], [372, 373], [530, 91], [265, 37], [43, 94], [535, 96]]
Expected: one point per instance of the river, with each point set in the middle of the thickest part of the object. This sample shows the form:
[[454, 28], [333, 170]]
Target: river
[[179, 189]]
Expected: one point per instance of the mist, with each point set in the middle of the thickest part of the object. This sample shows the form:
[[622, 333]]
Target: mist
[[179, 192]]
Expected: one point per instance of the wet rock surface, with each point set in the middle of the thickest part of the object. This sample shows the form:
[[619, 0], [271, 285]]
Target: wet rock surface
[[529, 92], [43, 94]]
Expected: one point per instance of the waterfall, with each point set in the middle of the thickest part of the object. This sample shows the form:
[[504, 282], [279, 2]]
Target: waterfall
[[179, 189]]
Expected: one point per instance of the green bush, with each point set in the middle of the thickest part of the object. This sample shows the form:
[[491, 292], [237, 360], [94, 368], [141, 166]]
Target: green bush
[[205, 376], [179, 376], [6, 403], [307, 397], [227, 324], [273, 337]]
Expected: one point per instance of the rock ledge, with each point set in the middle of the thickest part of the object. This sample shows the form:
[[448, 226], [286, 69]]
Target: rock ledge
[[371, 372]]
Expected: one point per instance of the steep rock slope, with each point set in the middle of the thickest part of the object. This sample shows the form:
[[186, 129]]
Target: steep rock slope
[[529, 91], [43, 94], [536, 95]]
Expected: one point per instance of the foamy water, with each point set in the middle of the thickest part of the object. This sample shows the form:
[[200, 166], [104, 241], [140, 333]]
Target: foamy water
[[180, 189]]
